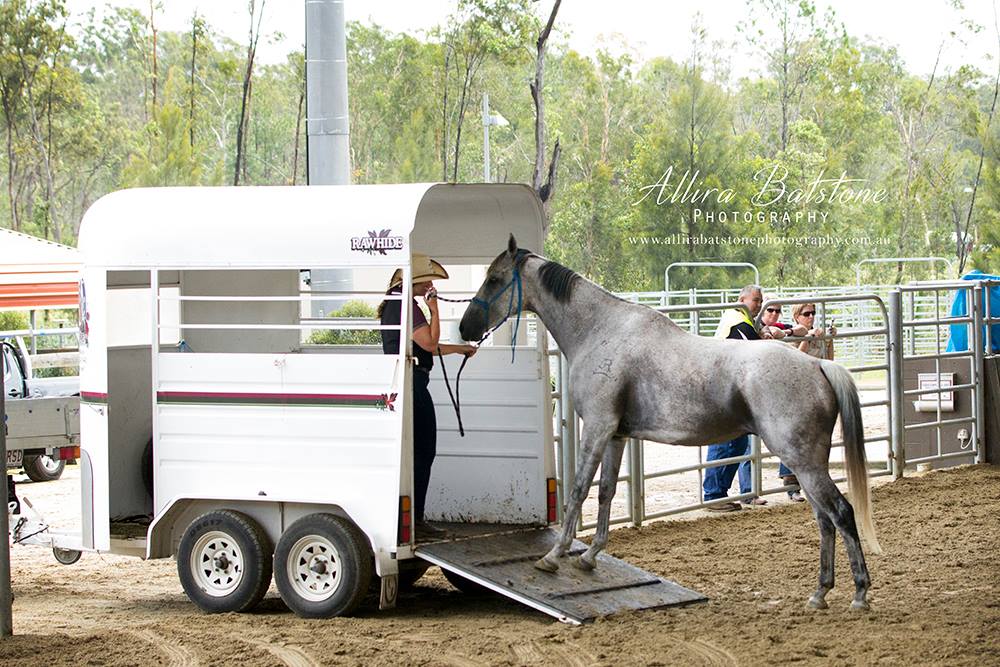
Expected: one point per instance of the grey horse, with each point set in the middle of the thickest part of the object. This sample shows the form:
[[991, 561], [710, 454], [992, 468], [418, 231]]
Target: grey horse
[[634, 373]]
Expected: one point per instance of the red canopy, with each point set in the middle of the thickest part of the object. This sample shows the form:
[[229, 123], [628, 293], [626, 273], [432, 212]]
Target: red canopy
[[35, 273]]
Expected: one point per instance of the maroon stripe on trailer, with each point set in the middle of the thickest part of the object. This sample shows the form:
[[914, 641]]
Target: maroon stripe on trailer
[[93, 397], [381, 401]]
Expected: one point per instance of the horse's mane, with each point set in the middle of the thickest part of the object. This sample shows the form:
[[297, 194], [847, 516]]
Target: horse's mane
[[558, 280]]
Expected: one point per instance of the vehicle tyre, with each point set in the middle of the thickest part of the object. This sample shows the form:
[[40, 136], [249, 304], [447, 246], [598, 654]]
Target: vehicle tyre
[[43, 468], [410, 571], [147, 468], [465, 585], [66, 556], [224, 562], [323, 566]]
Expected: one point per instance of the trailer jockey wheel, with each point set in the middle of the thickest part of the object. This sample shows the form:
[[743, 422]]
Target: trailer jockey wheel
[[224, 562], [322, 566]]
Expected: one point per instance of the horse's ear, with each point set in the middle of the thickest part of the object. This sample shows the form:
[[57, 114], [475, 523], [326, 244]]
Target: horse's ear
[[512, 245]]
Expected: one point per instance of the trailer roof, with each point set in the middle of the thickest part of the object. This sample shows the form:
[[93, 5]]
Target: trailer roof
[[310, 226], [35, 273]]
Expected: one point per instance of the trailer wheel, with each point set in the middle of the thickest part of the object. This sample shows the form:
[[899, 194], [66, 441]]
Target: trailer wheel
[[66, 556], [224, 562], [43, 468], [322, 566], [410, 571], [465, 585]]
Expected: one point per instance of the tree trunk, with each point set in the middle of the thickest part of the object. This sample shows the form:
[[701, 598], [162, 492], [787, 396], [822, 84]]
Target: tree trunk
[[194, 52], [444, 116], [152, 29], [36, 131], [241, 128], [298, 134], [15, 222], [547, 190]]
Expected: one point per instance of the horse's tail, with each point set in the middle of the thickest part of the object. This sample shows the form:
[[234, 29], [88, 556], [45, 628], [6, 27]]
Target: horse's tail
[[854, 447]]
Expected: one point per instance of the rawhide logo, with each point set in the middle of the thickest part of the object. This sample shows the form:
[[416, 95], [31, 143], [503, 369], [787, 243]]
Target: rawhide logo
[[377, 242]]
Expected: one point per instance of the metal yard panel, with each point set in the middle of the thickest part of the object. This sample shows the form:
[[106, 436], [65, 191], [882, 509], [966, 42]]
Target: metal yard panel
[[497, 472], [505, 563]]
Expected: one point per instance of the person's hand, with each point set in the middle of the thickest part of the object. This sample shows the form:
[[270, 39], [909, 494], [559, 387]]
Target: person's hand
[[799, 330], [833, 330], [468, 350], [776, 333], [816, 332], [431, 300], [765, 333]]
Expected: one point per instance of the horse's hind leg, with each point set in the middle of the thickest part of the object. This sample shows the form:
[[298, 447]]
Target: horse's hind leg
[[827, 554], [828, 499], [609, 482], [595, 439]]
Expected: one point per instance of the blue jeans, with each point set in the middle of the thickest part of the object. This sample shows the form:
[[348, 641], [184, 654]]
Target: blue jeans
[[720, 478], [783, 470]]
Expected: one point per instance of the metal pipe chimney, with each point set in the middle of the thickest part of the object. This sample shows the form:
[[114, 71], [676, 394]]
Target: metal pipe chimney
[[328, 139], [327, 127]]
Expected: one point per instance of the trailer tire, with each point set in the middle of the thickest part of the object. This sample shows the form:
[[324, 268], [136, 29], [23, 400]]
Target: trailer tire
[[410, 571], [66, 556], [465, 585], [224, 562], [42, 468], [323, 566]]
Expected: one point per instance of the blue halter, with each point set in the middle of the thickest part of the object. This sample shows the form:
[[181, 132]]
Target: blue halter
[[486, 305]]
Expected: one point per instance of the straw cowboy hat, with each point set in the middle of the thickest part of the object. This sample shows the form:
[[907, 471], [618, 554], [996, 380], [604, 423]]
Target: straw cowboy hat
[[424, 269]]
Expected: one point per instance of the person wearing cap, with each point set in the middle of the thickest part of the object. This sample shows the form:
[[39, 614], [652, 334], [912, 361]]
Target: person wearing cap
[[426, 337]]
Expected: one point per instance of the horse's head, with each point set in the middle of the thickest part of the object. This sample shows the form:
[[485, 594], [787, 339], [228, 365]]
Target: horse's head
[[499, 295]]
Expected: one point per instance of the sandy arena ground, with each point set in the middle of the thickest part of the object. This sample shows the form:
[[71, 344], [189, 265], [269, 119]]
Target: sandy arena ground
[[935, 600]]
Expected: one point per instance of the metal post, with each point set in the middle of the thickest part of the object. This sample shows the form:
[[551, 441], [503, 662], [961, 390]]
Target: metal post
[[695, 314], [978, 379], [6, 598], [486, 137], [569, 437], [328, 136], [34, 337], [895, 347], [757, 483], [637, 481]]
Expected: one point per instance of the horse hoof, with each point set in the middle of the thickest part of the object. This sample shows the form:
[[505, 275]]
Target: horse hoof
[[546, 565], [817, 603], [859, 605], [584, 564]]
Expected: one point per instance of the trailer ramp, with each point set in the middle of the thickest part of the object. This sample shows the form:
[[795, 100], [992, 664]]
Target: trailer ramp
[[505, 563]]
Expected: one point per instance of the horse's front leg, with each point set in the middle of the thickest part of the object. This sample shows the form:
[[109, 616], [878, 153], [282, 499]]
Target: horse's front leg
[[609, 483], [594, 441]]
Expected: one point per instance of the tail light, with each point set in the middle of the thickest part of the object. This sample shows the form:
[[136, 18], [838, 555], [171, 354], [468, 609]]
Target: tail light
[[405, 520], [550, 485], [67, 453]]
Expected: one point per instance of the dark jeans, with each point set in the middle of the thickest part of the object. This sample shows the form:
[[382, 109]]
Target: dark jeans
[[720, 478], [424, 441]]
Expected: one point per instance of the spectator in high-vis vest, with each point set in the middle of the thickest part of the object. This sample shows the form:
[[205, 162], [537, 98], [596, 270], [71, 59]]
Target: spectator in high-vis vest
[[739, 325]]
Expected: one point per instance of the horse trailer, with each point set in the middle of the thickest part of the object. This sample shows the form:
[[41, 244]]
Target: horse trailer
[[217, 430]]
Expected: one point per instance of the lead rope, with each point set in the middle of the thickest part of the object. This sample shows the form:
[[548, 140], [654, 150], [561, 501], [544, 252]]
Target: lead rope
[[455, 398]]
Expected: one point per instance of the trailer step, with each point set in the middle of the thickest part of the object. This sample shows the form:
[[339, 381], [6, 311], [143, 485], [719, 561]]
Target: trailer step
[[505, 563]]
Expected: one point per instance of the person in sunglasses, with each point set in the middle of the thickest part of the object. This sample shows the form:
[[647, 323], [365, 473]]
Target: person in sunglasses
[[778, 329], [818, 345], [735, 324]]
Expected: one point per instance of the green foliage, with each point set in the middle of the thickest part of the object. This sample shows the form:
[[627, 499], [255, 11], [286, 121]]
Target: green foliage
[[11, 320], [351, 310], [825, 103]]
